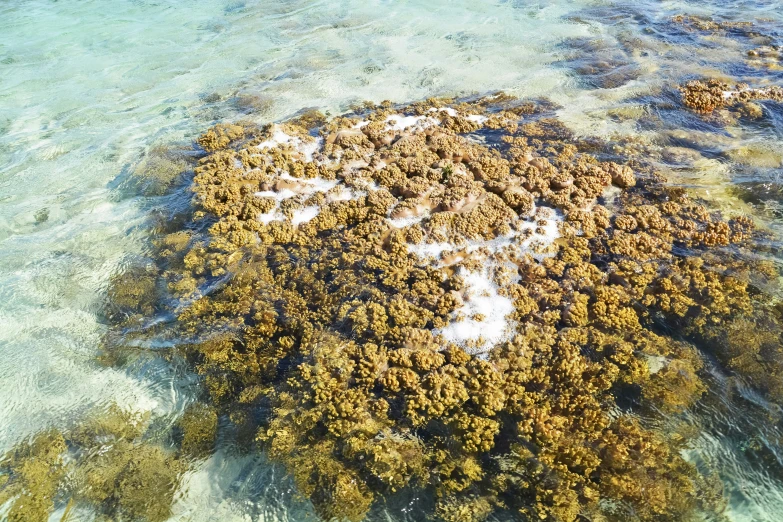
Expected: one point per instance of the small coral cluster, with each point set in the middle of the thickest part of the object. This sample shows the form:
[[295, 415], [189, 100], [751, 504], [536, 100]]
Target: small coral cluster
[[706, 96], [107, 462], [705, 24], [454, 297]]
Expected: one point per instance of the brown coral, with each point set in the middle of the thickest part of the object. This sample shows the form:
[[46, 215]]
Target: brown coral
[[707, 96], [103, 461], [329, 282]]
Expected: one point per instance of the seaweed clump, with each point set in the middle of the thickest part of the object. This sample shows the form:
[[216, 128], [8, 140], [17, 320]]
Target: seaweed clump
[[454, 297], [31, 476]]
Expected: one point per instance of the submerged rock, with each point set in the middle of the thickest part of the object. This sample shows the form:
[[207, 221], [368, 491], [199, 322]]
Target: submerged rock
[[600, 64], [705, 24], [105, 462]]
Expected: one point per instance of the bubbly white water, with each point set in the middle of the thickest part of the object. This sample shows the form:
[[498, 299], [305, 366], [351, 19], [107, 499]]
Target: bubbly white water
[[86, 88], [482, 299]]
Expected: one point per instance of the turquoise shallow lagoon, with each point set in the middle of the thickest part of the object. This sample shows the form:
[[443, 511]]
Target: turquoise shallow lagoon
[[89, 89]]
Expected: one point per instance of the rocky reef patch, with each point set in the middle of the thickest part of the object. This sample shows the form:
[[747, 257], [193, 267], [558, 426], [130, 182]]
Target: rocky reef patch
[[706, 96], [458, 297], [110, 462]]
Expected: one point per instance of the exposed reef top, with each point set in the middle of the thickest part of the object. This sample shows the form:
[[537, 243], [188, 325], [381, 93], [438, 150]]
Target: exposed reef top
[[461, 297], [706, 96]]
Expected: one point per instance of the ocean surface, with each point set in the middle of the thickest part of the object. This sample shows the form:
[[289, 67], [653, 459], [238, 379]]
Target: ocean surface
[[88, 89]]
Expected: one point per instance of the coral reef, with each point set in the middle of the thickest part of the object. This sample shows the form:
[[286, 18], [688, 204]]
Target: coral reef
[[107, 461], [706, 96], [453, 296], [759, 39]]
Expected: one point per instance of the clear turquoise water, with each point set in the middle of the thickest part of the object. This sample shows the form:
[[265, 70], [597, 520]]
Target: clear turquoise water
[[87, 88]]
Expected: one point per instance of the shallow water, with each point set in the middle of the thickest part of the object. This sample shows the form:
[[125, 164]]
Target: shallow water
[[88, 89]]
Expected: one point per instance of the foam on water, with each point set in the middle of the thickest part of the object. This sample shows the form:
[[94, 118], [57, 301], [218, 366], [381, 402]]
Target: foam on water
[[482, 321], [398, 122], [306, 187], [279, 137], [304, 215], [528, 237]]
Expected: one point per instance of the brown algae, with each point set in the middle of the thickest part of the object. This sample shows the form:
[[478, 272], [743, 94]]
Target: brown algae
[[450, 296]]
